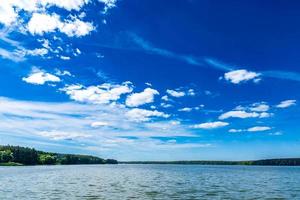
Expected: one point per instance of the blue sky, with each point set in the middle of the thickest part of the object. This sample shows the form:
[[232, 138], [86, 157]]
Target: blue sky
[[151, 80]]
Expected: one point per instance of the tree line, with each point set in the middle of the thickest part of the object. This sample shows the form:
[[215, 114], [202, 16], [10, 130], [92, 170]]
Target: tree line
[[266, 162], [30, 156]]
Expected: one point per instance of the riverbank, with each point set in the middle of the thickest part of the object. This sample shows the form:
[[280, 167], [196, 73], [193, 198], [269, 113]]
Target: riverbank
[[18, 156]]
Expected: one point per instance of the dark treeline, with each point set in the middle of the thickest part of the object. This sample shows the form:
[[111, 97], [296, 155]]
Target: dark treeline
[[29, 156], [271, 162]]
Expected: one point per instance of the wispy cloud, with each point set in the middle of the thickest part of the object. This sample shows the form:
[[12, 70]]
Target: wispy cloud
[[285, 75], [147, 46], [92, 125], [278, 74], [219, 65], [205, 61]]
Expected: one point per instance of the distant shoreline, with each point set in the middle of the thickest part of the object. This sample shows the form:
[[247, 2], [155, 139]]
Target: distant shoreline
[[264, 162]]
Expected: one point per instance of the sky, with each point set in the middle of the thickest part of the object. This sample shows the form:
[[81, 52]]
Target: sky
[[151, 80]]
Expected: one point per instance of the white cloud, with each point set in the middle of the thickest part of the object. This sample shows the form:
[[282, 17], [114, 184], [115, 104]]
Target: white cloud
[[265, 115], [260, 107], [100, 94], [166, 105], [41, 23], [9, 9], [235, 130], [191, 92], [30, 117], [61, 135], [7, 13], [66, 4], [16, 56], [243, 114], [286, 104], [37, 52], [47, 122], [278, 133], [258, 128], [62, 73], [252, 129], [175, 93], [39, 77], [137, 99], [238, 114], [65, 57], [186, 109], [211, 125], [108, 4], [165, 98], [141, 115], [242, 75], [77, 28]]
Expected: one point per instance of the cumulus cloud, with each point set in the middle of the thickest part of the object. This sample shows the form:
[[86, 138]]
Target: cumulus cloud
[[99, 94], [39, 77], [260, 107], [242, 75], [243, 114], [286, 104], [10, 9], [41, 23], [211, 125], [137, 99], [175, 93], [141, 115]]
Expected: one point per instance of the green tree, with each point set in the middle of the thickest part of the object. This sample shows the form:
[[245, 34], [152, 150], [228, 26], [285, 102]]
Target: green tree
[[6, 156], [47, 159]]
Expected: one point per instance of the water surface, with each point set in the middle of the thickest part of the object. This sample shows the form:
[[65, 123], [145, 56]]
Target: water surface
[[149, 182]]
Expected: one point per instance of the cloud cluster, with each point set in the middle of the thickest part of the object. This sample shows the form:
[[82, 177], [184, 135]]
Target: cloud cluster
[[137, 99], [39, 77], [286, 104], [108, 128], [255, 110], [142, 115], [242, 114], [211, 125], [99, 94], [41, 23], [242, 75], [252, 129]]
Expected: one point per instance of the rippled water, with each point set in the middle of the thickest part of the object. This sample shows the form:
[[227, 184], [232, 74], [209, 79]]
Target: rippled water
[[149, 182]]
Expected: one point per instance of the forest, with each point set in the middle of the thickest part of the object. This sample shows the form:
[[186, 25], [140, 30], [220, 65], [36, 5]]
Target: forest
[[16, 155], [266, 162]]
